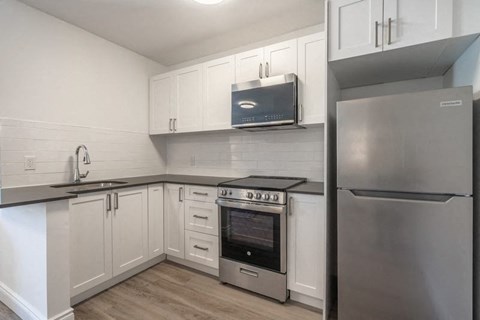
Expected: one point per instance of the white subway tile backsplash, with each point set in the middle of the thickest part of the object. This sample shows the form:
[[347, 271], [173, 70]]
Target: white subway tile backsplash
[[238, 153], [114, 154]]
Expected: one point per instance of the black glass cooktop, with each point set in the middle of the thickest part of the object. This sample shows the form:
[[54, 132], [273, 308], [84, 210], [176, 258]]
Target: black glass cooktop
[[264, 183]]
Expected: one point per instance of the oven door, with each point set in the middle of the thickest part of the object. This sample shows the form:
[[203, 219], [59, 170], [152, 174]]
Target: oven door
[[254, 233]]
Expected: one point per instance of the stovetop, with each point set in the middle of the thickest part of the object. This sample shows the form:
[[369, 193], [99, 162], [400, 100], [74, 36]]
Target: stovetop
[[264, 183]]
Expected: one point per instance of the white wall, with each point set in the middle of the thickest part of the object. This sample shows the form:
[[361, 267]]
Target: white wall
[[239, 153], [61, 86], [392, 88], [466, 70]]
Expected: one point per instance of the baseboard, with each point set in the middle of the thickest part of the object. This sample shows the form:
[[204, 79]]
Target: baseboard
[[307, 300], [194, 265], [25, 310], [115, 280]]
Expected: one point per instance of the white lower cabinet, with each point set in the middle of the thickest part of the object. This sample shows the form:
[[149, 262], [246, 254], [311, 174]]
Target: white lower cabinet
[[174, 219], [201, 217], [201, 248], [155, 220], [90, 242], [306, 246], [108, 236], [130, 229]]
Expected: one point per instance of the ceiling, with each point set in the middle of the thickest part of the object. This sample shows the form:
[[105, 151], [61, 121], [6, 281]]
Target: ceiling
[[175, 31]]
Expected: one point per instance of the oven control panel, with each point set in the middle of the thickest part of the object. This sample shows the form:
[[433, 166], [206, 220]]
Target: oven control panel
[[266, 196]]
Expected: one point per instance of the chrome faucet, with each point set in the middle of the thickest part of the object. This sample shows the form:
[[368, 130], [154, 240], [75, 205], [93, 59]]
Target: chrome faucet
[[86, 160]]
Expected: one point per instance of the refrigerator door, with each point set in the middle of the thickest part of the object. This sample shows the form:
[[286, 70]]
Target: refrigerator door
[[418, 142], [404, 259]]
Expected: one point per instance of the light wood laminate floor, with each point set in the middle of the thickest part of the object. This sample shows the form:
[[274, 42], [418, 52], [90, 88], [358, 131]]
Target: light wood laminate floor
[[169, 291]]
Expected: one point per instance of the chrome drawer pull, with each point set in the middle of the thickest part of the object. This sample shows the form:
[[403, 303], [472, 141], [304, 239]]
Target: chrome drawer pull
[[249, 272], [200, 217], [200, 248], [200, 193]]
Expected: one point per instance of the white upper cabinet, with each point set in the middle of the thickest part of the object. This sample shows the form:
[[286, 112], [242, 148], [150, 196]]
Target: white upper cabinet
[[355, 27], [281, 58], [311, 78], [189, 100], [130, 229], [410, 22], [359, 27], [162, 96], [249, 65], [274, 60], [219, 75]]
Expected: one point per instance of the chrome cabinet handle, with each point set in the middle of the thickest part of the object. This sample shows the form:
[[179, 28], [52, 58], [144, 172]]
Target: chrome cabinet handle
[[260, 71], [109, 202], [174, 124], [389, 31], [200, 217], [200, 248], [376, 34], [249, 272], [115, 201], [290, 203], [267, 70], [200, 193], [180, 190], [170, 124], [300, 113]]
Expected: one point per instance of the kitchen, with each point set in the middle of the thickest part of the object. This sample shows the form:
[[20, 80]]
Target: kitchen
[[164, 188]]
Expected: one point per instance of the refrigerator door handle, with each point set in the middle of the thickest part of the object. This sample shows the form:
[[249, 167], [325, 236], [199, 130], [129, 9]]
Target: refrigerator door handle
[[443, 198]]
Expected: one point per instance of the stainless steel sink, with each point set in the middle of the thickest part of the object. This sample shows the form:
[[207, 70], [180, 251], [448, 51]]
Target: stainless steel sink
[[89, 185]]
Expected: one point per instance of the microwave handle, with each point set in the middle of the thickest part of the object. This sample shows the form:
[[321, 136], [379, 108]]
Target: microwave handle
[[260, 71]]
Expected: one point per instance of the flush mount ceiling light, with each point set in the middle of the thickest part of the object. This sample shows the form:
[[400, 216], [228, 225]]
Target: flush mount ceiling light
[[208, 1]]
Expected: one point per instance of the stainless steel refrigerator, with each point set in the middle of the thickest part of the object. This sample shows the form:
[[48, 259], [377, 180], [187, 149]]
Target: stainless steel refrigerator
[[404, 187]]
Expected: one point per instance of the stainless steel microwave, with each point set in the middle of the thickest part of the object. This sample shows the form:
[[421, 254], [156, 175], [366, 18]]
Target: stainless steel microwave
[[266, 104]]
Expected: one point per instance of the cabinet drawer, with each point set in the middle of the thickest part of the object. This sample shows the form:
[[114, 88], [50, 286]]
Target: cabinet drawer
[[201, 248], [199, 193], [201, 217]]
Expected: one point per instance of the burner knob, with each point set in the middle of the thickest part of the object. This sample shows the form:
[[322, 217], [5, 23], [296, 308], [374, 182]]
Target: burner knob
[[224, 192], [250, 195], [275, 197], [258, 196], [266, 196]]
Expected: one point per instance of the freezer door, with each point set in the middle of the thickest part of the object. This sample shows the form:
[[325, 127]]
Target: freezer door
[[418, 142], [404, 259]]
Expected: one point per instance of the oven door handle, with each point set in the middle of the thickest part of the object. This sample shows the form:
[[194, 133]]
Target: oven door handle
[[262, 207]]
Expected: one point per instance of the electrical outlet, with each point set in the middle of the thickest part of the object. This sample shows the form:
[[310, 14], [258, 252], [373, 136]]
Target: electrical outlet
[[30, 162]]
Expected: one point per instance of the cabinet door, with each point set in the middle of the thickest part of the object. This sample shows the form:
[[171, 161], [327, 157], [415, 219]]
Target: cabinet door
[[219, 75], [174, 220], [306, 245], [249, 65], [189, 99], [281, 58], [129, 229], [161, 103], [155, 220], [355, 28], [311, 78], [410, 22], [90, 242]]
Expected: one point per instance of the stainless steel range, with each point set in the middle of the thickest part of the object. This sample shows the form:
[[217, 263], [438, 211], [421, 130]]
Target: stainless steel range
[[253, 220]]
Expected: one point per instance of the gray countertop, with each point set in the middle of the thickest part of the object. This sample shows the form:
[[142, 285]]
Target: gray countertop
[[308, 188], [20, 196]]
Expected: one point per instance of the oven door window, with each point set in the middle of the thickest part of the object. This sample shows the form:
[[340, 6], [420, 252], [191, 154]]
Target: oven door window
[[252, 237]]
